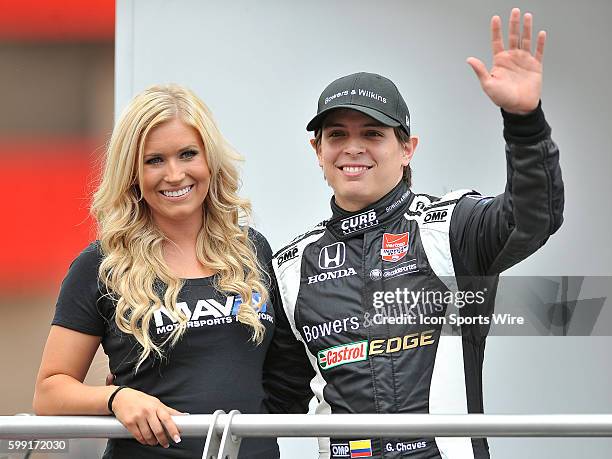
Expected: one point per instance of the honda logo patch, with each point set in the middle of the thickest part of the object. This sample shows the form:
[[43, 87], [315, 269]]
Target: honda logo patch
[[332, 256]]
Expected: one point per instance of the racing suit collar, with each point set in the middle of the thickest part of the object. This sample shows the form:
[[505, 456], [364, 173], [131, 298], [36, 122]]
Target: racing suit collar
[[344, 224]]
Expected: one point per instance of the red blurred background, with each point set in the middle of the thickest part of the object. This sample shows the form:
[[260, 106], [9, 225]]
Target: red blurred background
[[56, 61], [56, 99]]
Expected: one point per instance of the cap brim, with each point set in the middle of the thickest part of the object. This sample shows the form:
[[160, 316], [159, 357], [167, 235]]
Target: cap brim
[[316, 122]]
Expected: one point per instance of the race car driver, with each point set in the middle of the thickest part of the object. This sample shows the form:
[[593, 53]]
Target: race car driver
[[383, 244]]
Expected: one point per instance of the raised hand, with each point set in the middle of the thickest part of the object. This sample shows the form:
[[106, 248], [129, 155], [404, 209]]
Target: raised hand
[[146, 417], [514, 82]]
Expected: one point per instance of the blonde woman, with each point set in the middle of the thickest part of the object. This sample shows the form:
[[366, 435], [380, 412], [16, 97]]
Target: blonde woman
[[174, 289]]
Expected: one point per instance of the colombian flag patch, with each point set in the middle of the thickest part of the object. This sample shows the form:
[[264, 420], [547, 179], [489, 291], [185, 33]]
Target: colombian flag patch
[[361, 448]]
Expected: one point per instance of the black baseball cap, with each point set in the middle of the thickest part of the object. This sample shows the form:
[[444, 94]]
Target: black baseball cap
[[368, 93]]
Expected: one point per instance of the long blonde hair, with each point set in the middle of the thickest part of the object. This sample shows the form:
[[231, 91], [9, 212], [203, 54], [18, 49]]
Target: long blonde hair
[[133, 265]]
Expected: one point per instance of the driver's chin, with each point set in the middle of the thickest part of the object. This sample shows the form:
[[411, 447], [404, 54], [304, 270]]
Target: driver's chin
[[352, 199]]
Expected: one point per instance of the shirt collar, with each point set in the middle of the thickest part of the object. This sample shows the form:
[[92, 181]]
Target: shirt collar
[[344, 224]]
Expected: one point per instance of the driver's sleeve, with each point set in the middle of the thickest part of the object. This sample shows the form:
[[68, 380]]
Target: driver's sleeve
[[489, 235], [287, 370]]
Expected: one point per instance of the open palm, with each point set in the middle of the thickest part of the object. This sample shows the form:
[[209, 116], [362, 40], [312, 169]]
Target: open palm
[[515, 80]]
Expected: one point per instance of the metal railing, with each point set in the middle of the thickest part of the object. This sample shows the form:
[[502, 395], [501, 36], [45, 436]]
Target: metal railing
[[225, 431]]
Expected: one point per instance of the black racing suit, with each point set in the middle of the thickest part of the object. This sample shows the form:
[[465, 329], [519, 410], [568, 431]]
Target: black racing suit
[[346, 293]]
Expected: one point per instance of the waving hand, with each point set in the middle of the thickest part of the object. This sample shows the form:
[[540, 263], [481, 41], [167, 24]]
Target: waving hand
[[514, 82]]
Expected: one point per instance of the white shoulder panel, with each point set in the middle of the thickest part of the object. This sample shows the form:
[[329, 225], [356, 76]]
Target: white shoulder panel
[[287, 266], [434, 226], [447, 393]]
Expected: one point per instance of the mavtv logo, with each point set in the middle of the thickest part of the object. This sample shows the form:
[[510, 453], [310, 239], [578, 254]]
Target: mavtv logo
[[206, 309]]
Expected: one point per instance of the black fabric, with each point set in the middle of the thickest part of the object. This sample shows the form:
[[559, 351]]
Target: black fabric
[[327, 281], [525, 129], [369, 93], [214, 365], [492, 235], [287, 371]]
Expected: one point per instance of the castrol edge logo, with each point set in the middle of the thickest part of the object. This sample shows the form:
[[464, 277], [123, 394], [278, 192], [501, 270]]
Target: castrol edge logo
[[340, 355], [360, 350]]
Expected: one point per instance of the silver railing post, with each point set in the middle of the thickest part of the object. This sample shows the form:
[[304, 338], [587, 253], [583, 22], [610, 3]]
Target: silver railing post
[[230, 444], [213, 438]]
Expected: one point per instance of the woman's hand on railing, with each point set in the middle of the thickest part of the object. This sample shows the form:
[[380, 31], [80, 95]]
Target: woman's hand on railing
[[146, 417]]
